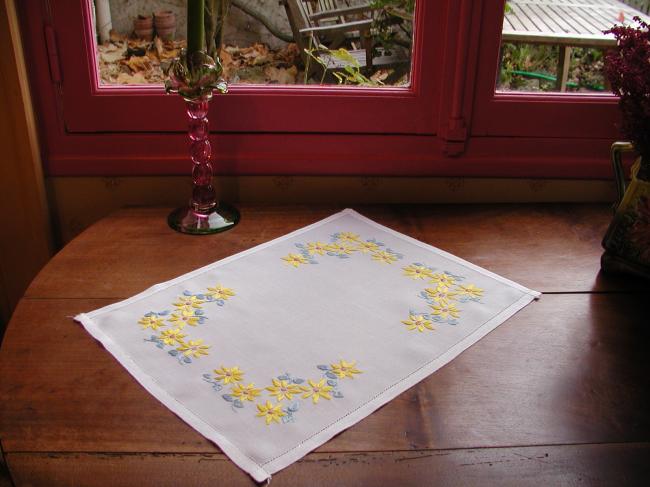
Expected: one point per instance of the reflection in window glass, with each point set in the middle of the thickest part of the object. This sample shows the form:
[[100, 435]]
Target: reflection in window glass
[[337, 42], [559, 45]]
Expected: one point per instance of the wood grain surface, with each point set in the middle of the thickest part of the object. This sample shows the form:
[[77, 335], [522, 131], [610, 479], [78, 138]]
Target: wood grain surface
[[558, 394], [534, 380], [606, 465], [25, 234], [549, 248], [5, 477]]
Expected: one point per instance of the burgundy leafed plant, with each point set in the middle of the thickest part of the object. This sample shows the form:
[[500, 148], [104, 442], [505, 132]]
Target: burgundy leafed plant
[[628, 70]]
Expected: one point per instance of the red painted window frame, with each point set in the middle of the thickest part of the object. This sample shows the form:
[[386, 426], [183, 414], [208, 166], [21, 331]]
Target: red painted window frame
[[565, 116], [456, 133], [270, 109]]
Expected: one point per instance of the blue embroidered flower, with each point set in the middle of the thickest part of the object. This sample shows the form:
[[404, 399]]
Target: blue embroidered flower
[[215, 385], [289, 412]]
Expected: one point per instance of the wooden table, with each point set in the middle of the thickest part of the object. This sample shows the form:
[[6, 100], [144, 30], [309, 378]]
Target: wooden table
[[559, 394], [566, 23]]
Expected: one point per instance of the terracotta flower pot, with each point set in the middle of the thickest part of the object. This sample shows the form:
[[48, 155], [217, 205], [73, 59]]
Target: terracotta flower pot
[[143, 27], [165, 23]]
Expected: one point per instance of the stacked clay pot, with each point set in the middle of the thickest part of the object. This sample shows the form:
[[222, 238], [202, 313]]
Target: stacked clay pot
[[165, 23], [143, 27]]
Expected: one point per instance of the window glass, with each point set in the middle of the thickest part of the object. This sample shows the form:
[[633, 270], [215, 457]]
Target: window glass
[[334, 42], [559, 45]]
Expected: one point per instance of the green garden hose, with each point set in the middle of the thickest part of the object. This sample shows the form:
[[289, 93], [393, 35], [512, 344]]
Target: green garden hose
[[549, 77]]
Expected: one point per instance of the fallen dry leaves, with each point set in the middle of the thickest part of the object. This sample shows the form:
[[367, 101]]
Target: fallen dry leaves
[[281, 76], [260, 65], [127, 61]]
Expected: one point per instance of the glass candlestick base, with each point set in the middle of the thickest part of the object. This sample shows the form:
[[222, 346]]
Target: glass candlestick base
[[219, 218], [204, 214]]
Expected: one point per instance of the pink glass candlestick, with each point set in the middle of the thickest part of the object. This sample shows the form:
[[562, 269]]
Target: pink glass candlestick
[[196, 76], [204, 214]]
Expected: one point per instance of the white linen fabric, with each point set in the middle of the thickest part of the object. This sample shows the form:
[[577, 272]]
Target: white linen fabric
[[271, 352]]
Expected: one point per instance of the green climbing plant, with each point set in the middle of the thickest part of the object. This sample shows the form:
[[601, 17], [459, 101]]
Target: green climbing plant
[[392, 24], [347, 72]]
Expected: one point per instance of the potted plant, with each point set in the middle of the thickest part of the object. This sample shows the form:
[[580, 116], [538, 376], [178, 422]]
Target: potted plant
[[627, 242]]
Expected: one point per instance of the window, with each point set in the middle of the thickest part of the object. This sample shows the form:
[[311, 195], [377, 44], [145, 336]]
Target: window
[[448, 120], [558, 45], [90, 106], [586, 114], [289, 42]]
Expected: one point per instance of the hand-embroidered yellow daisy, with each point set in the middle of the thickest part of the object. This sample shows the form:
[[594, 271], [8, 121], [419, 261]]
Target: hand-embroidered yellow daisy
[[294, 259], [445, 310], [270, 412], [418, 322], [189, 311], [171, 337], [316, 390], [153, 322], [470, 290], [415, 271], [317, 248], [441, 294], [345, 369], [365, 247], [342, 245], [220, 292], [384, 257], [443, 278], [246, 392], [188, 302], [229, 375], [184, 317], [283, 389], [194, 348], [348, 237]]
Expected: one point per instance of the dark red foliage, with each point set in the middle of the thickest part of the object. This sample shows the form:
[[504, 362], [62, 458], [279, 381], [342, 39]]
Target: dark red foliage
[[628, 69]]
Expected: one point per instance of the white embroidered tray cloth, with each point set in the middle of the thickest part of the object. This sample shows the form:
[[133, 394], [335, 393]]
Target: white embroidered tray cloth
[[271, 352]]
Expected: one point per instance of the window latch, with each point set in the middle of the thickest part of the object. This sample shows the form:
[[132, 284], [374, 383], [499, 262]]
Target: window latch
[[52, 54]]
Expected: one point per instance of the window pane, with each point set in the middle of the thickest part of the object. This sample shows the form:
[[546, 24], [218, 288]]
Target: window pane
[[334, 42], [559, 45]]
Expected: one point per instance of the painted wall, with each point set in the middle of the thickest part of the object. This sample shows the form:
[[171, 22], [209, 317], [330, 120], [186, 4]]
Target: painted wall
[[77, 202]]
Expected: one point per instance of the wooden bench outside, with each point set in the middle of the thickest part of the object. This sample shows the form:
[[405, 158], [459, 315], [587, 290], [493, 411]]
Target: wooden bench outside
[[313, 24]]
